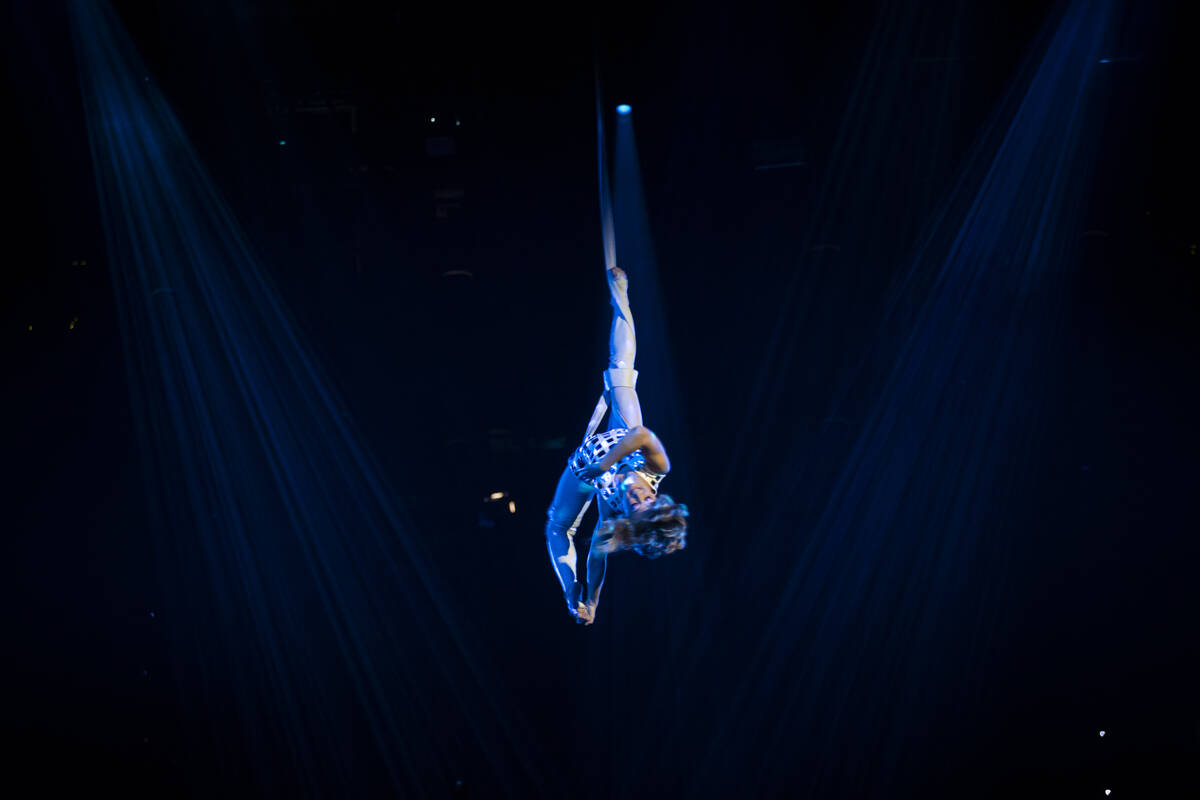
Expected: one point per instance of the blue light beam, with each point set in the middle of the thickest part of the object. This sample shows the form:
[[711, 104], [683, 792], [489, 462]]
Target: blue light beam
[[298, 591], [891, 565]]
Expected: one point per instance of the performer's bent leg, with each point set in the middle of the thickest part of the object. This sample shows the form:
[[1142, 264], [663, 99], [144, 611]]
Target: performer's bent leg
[[620, 379], [571, 501]]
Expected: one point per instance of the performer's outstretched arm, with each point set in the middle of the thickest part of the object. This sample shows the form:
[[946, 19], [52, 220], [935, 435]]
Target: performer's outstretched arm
[[597, 564]]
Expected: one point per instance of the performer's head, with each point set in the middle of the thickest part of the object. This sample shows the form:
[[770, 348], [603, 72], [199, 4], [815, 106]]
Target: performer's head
[[636, 494], [653, 526]]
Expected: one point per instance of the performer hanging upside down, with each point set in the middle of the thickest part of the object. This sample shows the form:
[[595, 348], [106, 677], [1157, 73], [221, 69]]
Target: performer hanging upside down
[[623, 466]]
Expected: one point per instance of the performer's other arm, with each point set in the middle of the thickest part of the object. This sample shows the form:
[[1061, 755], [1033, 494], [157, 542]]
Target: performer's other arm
[[597, 565], [639, 438]]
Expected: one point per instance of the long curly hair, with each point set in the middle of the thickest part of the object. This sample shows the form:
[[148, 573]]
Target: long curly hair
[[660, 532]]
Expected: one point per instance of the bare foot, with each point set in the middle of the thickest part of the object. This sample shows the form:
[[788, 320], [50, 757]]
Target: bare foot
[[618, 281], [574, 598], [586, 614]]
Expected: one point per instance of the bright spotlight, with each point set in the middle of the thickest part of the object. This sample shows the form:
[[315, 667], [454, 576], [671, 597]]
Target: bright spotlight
[[623, 109]]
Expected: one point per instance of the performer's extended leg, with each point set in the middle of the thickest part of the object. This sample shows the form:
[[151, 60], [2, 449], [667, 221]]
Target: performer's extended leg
[[571, 501], [620, 379]]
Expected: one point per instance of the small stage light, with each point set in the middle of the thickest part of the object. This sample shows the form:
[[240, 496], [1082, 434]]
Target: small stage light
[[1107, 792], [1101, 734], [433, 119], [623, 109], [496, 495], [282, 142], [512, 507]]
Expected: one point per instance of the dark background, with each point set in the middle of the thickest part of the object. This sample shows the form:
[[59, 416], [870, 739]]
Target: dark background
[[1098, 616]]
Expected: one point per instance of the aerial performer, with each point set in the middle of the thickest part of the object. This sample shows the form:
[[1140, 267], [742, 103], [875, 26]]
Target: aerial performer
[[622, 467]]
